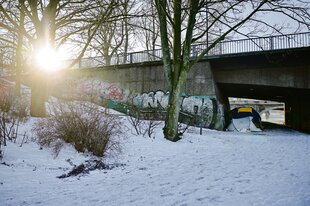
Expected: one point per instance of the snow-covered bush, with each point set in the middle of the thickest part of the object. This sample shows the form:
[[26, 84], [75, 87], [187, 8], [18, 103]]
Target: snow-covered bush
[[83, 126]]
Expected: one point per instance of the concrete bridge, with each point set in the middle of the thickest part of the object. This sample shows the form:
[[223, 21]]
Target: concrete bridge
[[273, 68], [282, 75]]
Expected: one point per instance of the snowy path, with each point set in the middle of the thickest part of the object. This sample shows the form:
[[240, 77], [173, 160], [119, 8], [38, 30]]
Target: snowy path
[[217, 168]]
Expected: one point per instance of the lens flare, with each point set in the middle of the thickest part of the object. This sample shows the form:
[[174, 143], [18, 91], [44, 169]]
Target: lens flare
[[48, 59]]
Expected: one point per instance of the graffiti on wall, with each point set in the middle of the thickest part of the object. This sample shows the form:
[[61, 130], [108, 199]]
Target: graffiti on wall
[[102, 90], [158, 99], [202, 109]]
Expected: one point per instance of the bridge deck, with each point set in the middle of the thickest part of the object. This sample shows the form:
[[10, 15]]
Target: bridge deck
[[223, 48]]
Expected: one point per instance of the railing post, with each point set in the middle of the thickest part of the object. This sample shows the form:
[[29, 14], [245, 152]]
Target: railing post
[[221, 49], [80, 63], [194, 50], [130, 58], [289, 41], [271, 46]]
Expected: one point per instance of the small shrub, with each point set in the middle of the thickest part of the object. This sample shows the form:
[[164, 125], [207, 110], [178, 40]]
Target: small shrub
[[151, 125], [12, 111], [182, 128], [17, 107], [144, 123], [135, 120], [81, 125], [6, 101], [20, 109], [8, 129]]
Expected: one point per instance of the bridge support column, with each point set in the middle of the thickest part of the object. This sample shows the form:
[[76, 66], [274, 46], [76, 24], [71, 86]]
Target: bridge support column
[[201, 82], [297, 114], [223, 115]]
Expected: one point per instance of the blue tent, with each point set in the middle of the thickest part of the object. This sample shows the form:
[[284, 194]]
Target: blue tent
[[245, 119]]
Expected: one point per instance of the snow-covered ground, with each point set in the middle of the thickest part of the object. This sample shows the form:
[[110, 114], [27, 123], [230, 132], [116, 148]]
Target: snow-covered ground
[[217, 168]]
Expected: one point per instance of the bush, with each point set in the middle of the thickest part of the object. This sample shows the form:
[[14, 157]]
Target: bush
[[12, 111], [17, 107], [135, 120], [144, 122], [6, 101], [8, 129], [21, 108], [81, 125]]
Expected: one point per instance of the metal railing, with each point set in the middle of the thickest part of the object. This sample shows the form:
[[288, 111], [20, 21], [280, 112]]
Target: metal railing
[[287, 41], [130, 58], [278, 42]]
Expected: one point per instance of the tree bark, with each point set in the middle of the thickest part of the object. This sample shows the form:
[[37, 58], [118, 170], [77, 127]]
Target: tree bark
[[38, 95], [172, 117], [19, 56]]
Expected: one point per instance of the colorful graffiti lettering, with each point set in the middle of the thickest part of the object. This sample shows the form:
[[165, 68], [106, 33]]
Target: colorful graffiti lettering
[[101, 89]]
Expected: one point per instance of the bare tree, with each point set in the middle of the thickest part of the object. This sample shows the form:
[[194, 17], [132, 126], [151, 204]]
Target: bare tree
[[149, 27], [19, 55], [112, 38], [179, 22], [12, 22], [53, 23]]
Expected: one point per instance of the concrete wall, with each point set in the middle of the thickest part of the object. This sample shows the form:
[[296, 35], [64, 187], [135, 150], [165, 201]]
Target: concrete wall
[[143, 78], [144, 85]]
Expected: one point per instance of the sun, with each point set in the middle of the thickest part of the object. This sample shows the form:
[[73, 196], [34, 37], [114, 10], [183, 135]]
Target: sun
[[48, 59]]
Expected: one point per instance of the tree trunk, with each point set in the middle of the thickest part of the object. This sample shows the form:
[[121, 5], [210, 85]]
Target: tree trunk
[[19, 56], [18, 73], [38, 95], [172, 118]]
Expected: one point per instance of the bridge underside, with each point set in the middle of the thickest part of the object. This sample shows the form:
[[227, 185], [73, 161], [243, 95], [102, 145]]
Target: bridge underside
[[297, 101]]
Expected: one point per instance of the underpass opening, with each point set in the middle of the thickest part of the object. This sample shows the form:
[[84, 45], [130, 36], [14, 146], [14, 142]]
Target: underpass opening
[[269, 111], [296, 107]]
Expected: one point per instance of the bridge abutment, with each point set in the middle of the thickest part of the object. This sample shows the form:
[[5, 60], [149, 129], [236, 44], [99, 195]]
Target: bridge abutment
[[297, 114]]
